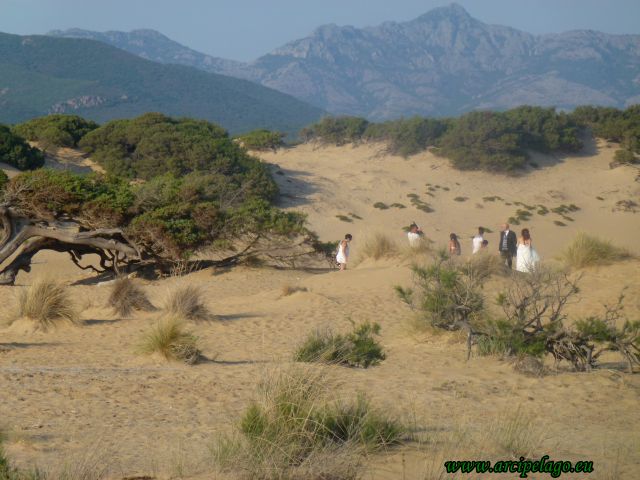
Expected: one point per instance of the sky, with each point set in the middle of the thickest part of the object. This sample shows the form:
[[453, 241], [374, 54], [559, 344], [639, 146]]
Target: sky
[[246, 29]]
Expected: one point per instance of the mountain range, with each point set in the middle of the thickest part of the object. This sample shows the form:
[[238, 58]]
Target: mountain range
[[444, 62], [44, 74]]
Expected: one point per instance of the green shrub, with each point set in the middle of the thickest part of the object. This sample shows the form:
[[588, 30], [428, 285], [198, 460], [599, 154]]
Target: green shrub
[[623, 157], [445, 294], [166, 217], [4, 179], [16, 152], [262, 140], [56, 130], [621, 126], [294, 431], [336, 130], [407, 137], [381, 206], [358, 348], [587, 251], [154, 144]]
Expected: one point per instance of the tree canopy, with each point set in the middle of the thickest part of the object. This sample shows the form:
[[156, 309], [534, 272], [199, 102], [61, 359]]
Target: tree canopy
[[56, 130], [154, 144], [15, 151], [496, 141], [262, 140]]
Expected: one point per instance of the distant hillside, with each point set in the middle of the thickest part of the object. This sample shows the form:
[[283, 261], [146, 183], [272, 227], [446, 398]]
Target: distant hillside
[[155, 46], [442, 63], [41, 75]]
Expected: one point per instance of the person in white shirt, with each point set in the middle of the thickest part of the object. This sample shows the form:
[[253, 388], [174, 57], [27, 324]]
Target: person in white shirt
[[477, 240], [414, 235]]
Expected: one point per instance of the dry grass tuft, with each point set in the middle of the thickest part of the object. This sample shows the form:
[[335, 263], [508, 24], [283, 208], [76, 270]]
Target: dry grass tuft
[[295, 431], [378, 246], [483, 265], [126, 297], [169, 339], [517, 433], [186, 302], [589, 251], [47, 302], [288, 289]]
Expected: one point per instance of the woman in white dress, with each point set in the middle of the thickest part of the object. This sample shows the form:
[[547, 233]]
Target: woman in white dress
[[342, 256], [527, 258]]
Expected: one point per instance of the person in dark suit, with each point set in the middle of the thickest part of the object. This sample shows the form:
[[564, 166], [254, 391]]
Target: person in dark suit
[[508, 245]]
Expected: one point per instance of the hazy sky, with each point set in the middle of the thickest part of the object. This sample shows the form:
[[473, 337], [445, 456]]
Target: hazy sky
[[246, 29]]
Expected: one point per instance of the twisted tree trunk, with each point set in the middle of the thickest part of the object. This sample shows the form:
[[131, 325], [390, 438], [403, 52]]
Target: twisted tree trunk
[[21, 238]]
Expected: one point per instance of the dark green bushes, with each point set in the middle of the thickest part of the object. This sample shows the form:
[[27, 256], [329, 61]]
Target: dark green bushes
[[621, 126], [56, 130], [407, 137], [496, 141], [336, 130], [262, 140], [3, 180], [167, 217], [18, 153], [358, 348], [154, 144]]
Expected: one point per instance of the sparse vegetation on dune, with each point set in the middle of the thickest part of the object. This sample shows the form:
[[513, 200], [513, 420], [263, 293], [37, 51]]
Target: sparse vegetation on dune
[[288, 289], [358, 348], [378, 246], [449, 296], [187, 301], [47, 302], [170, 339], [294, 431], [126, 296], [588, 251]]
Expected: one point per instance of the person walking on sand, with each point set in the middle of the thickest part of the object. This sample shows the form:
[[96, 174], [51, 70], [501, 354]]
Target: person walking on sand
[[508, 245], [527, 258], [454, 245], [342, 256], [478, 240]]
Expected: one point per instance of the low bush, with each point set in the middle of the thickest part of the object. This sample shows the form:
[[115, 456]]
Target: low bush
[[169, 338], [291, 289], [358, 348], [588, 251], [186, 301], [126, 296], [293, 431], [484, 264], [381, 206], [56, 130], [262, 140], [4, 179], [446, 294], [16, 152], [47, 302]]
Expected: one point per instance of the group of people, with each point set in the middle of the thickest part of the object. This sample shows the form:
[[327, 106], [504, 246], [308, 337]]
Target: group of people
[[509, 246]]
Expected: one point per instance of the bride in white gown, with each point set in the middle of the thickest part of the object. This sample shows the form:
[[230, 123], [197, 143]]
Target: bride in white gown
[[527, 258]]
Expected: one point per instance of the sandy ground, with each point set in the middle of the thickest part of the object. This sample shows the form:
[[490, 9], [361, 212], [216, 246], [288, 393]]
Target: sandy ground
[[84, 392]]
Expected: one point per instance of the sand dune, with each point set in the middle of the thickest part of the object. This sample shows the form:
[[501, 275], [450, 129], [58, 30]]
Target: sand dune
[[85, 389]]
